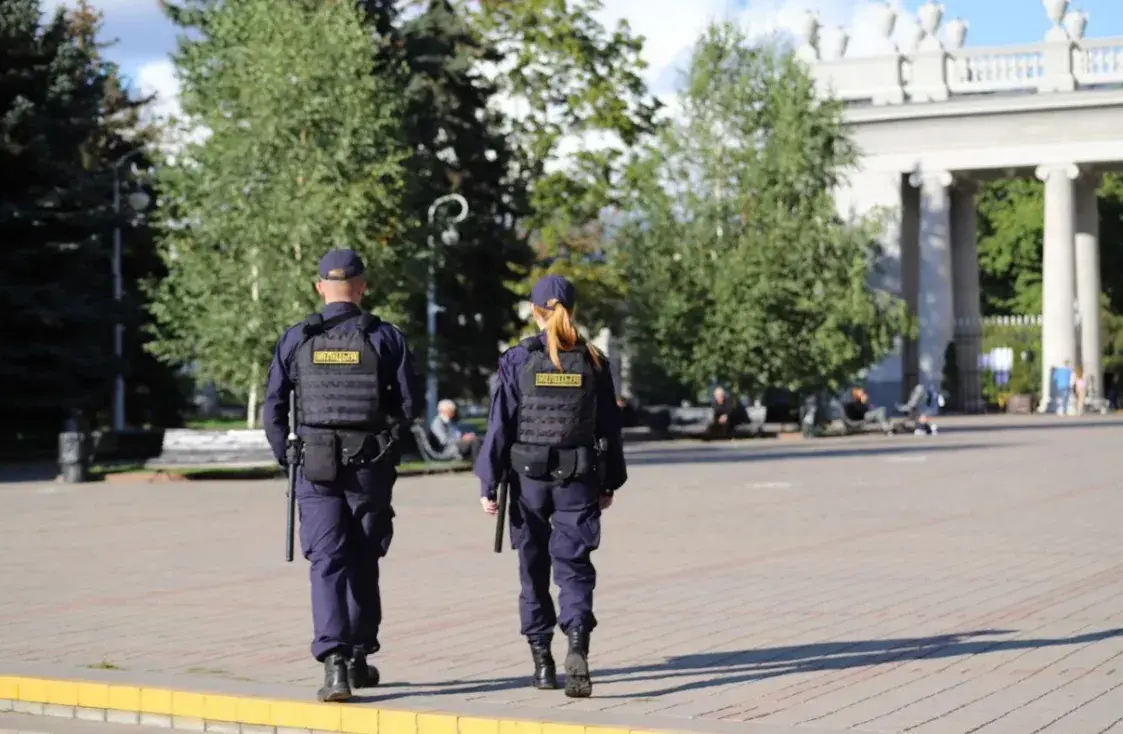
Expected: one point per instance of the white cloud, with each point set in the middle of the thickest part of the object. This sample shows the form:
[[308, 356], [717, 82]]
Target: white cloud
[[159, 78], [669, 27]]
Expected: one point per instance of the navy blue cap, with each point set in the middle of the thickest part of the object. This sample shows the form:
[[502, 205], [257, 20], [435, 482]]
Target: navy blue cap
[[552, 287], [341, 265]]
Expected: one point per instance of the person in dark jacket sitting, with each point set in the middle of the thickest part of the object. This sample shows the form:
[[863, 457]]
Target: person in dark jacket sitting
[[727, 415]]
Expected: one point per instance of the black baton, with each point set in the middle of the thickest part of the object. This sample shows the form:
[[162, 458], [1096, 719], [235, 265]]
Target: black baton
[[501, 516], [291, 510]]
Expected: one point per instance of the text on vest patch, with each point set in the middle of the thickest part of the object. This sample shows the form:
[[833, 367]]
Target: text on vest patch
[[334, 356], [556, 379]]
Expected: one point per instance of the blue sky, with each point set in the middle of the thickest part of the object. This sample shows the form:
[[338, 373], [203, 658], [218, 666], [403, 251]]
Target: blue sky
[[145, 35]]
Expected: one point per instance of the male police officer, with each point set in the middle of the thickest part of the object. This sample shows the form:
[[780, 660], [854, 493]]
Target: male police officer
[[555, 423], [354, 382]]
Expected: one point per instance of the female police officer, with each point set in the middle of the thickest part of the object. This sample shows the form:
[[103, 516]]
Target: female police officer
[[555, 425]]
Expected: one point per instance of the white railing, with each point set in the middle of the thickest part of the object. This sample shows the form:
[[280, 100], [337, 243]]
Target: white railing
[[978, 70], [935, 69], [1098, 62]]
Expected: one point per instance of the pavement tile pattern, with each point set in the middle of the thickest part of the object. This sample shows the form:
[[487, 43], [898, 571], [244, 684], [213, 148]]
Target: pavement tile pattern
[[970, 581]]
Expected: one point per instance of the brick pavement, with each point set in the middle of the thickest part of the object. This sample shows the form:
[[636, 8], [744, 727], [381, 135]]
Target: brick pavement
[[959, 583]]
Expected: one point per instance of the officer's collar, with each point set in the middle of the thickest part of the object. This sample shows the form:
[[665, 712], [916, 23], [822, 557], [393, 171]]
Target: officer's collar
[[338, 307]]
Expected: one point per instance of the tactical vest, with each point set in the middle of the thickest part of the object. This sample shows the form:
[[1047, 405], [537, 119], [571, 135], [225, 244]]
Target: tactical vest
[[337, 381], [557, 409]]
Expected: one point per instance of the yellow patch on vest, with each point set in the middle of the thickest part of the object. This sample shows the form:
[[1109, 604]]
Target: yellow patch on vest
[[334, 356], [557, 379]]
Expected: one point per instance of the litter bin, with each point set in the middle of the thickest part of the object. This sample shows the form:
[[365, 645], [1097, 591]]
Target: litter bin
[[74, 457]]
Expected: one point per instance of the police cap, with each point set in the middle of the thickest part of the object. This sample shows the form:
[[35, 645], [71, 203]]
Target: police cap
[[341, 265], [552, 287]]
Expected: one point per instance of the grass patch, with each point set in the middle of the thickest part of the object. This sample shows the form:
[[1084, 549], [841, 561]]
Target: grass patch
[[216, 424], [104, 665]]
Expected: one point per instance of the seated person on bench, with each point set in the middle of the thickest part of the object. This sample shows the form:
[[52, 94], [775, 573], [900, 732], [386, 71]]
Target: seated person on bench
[[857, 409], [450, 438], [728, 414]]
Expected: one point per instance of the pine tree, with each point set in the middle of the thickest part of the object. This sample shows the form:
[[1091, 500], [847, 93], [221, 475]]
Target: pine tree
[[55, 282], [302, 152], [458, 149], [153, 395]]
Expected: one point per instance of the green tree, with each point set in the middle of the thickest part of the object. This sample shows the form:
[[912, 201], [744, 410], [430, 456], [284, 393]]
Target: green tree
[[567, 76], [153, 395], [55, 210], [1011, 238], [741, 269], [458, 147], [300, 150]]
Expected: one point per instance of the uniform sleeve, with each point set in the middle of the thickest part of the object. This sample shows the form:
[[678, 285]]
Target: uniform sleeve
[[275, 404], [402, 377], [501, 422], [610, 425]]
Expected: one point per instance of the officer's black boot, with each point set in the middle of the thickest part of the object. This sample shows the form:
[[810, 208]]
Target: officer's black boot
[[360, 673], [336, 686], [578, 684], [545, 671]]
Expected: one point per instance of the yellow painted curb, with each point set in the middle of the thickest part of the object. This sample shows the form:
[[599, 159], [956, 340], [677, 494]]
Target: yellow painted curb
[[258, 713]]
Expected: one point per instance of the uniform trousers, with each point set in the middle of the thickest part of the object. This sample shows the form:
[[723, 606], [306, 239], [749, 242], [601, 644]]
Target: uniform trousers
[[345, 530], [555, 526]]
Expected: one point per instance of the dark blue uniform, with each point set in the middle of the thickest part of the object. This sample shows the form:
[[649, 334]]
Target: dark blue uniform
[[552, 524], [346, 525]]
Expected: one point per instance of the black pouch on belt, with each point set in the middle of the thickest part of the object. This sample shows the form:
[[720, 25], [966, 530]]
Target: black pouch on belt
[[532, 462], [321, 457]]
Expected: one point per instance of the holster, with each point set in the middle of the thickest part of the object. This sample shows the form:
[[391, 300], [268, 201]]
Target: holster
[[546, 463], [359, 449]]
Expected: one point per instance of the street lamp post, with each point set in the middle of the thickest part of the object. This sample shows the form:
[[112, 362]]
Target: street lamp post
[[449, 237], [138, 200]]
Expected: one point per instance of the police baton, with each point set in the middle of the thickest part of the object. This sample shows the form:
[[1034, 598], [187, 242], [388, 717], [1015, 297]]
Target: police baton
[[501, 516], [292, 460]]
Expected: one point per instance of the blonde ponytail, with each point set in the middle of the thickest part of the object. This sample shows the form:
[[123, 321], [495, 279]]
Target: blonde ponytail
[[561, 334]]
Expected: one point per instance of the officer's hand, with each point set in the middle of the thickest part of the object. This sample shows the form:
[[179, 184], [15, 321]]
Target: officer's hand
[[489, 505], [605, 501]]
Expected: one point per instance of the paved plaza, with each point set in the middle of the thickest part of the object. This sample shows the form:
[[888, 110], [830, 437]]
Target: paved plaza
[[969, 581]]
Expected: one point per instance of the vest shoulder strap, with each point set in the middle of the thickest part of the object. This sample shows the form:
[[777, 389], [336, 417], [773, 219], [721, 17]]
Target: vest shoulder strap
[[368, 322], [314, 324]]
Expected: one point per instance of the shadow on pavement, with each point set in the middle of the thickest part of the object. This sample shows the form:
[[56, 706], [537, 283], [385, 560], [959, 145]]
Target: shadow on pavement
[[732, 454], [711, 669], [1040, 423]]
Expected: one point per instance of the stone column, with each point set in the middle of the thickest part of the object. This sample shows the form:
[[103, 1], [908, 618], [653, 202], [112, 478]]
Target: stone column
[[934, 294], [1058, 265], [965, 281], [1087, 246], [910, 271]]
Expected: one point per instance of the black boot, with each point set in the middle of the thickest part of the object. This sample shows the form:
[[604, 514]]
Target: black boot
[[578, 684], [360, 673], [545, 671], [336, 687]]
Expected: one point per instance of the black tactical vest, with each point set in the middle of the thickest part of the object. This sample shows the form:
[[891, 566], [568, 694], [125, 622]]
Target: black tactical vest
[[557, 409], [337, 385]]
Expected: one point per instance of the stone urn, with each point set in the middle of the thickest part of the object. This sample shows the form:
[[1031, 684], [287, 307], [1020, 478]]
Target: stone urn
[[1075, 22], [885, 19], [1055, 9], [930, 14], [809, 29], [957, 32]]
